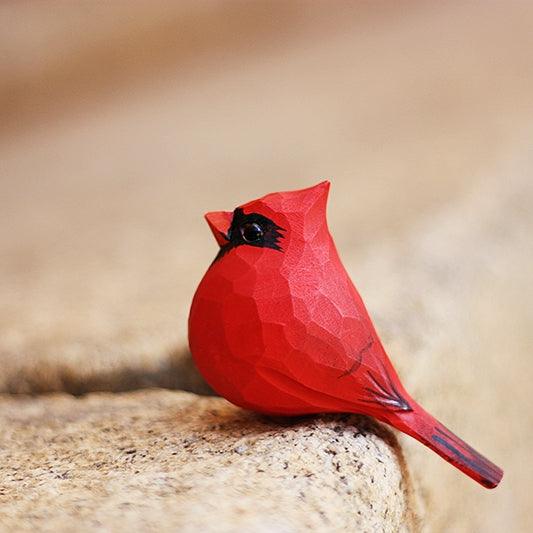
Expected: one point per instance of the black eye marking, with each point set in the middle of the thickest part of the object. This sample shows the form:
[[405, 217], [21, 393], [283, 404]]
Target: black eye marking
[[251, 230]]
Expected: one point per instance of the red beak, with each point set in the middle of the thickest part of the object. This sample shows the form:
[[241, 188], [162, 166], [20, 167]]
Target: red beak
[[219, 222]]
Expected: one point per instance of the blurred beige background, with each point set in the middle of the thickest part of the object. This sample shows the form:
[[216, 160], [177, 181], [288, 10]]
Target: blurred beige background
[[122, 124]]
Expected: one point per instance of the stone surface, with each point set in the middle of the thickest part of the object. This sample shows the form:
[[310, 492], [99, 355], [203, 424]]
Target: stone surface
[[169, 461], [453, 304]]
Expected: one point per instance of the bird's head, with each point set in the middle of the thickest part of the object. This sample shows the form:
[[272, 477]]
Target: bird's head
[[273, 221]]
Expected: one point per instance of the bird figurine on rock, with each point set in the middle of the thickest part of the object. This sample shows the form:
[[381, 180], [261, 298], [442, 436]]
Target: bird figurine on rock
[[277, 326]]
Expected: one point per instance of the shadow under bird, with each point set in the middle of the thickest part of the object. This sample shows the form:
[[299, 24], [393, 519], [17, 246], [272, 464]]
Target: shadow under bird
[[277, 326]]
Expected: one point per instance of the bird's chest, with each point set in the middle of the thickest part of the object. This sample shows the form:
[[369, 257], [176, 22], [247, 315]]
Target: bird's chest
[[264, 334], [262, 311]]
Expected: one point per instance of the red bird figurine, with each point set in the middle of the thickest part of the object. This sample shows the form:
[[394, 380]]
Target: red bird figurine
[[277, 326]]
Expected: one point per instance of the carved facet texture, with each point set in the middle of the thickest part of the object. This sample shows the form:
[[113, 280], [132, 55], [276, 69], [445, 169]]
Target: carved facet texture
[[282, 330]]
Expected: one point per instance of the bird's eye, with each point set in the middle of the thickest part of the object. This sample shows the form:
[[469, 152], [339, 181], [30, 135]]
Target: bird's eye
[[251, 232]]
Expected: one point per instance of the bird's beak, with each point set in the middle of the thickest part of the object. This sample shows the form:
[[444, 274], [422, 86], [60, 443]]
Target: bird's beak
[[219, 222]]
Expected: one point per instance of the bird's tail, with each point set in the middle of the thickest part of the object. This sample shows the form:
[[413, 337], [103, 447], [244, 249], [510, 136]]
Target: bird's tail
[[429, 431]]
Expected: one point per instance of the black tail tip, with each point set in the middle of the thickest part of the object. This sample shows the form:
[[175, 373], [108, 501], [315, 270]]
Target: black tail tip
[[465, 458], [493, 481]]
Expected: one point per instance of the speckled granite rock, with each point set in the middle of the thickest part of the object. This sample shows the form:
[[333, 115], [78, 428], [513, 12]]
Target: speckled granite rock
[[169, 461]]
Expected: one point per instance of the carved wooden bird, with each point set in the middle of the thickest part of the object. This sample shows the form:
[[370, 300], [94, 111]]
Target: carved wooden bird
[[277, 326]]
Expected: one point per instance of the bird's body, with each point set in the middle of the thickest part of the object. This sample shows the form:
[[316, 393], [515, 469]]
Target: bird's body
[[277, 326]]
